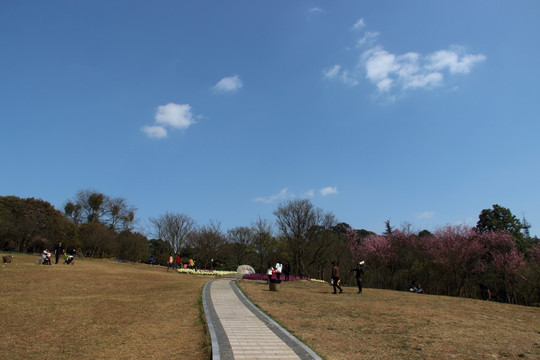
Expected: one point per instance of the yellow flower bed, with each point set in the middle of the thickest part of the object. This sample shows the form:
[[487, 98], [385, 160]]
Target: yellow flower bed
[[205, 272]]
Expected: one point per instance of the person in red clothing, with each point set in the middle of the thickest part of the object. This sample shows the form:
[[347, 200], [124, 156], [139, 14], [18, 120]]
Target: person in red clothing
[[178, 262]]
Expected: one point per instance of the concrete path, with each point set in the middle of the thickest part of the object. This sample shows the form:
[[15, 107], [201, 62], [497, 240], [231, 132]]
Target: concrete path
[[241, 331]]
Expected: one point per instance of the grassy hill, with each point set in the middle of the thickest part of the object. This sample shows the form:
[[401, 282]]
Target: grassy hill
[[98, 309], [108, 310], [382, 324]]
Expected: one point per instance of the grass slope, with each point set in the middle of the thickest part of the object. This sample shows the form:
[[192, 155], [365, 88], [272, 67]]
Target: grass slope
[[107, 310], [99, 310], [382, 324]]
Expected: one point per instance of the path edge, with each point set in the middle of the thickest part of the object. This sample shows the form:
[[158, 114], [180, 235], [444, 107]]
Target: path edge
[[290, 339]]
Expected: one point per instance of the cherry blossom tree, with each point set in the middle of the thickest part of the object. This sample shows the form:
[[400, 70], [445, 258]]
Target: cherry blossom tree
[[503, 261], [459, 250]]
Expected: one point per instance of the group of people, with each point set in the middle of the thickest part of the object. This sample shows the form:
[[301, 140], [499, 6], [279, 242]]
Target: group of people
[[59, 250], [176, 263], [336, 281], [416, 288], [278, 270]]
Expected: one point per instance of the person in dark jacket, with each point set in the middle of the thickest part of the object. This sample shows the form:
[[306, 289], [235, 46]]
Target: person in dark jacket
[[287, 270], [335, 278], [359, 269], [58, 250]]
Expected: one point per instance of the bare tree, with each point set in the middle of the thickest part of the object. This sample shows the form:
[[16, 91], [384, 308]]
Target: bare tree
[[173, 228], [241, 239], [207, 242], [73, 212], [94, 207], [120, 215], [264, 243], [298, 221]]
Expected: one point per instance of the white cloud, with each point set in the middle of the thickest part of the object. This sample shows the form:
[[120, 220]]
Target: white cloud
[[359, 24], [178, 116], [368, 38], [412, 70], [284, 193], [426, 215], [156, 132], [448, 59], [393, 73], [229, 84], [329, 190], [379, 65]]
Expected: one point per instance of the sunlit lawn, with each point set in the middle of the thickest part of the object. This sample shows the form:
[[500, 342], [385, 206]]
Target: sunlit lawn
[[99, 310], [109, 310], [381, 324]]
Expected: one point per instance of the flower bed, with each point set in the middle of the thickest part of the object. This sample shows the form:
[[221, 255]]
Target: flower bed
[[205, 272], [265, 277]]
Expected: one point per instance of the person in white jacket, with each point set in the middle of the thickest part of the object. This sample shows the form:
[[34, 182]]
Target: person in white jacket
[[270, 271], [279, 268]]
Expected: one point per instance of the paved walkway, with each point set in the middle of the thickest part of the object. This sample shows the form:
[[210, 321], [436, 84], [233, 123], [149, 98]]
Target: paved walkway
[[241, 331]]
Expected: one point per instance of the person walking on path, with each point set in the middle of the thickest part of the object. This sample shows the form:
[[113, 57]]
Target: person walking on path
[[359, 269], [335, 278], [58, 250]]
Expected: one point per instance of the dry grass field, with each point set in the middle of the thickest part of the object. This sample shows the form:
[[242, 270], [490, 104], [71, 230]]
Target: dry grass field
[[380, 324], [108, 310], [99, 310]]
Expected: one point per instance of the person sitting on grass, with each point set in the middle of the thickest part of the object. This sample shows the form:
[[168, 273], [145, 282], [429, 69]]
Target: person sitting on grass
[[46, 256], [416, 288]]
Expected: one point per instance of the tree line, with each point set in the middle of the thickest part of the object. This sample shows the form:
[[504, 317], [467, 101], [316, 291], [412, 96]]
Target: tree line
[[452, 261]]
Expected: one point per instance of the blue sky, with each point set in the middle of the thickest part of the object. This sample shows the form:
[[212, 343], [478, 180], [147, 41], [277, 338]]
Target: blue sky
[[418, 112]]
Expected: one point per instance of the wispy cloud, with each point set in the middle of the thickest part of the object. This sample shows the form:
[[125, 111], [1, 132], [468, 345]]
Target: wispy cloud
[[156, 132], [309, 194], [329, 190], [176, 116], [426, 215], [332, 72], [228, 84], [394, 73], [335, 72], [451, 60], [368, 39], [316, 10], [284, 193], [359, 24]]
